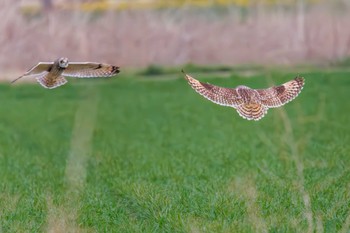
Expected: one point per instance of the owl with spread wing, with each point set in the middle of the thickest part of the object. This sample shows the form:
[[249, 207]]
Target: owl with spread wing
[[52, 74], [251, 104]]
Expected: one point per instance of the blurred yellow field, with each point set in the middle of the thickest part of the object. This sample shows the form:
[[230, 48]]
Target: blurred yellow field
[[102, 5]]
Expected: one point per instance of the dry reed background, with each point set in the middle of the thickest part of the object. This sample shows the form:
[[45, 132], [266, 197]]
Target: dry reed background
[[316, 33]]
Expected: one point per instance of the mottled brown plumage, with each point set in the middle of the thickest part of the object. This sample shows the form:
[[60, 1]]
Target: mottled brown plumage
[[52, 74], [251, 104]]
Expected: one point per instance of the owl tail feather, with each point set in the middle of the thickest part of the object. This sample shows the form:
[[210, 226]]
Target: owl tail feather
[[252, 111], [51, 83]]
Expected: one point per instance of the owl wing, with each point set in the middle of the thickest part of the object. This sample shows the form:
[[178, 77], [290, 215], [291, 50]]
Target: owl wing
[[277, 96], [90, 70], [39, 68], [219, 95]]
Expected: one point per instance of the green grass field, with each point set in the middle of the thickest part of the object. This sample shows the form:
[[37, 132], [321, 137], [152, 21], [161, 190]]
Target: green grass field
[[138, 154]]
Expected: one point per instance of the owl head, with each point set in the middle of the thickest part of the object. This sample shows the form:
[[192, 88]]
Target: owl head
[[63, 62]]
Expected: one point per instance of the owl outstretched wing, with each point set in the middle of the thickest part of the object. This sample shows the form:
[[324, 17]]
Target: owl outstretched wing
[[40, 68], [277, 96], [219, 95], [90, 70]]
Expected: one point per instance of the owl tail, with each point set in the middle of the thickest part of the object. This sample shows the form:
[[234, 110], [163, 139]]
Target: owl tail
[[252, 111], [51, 83]]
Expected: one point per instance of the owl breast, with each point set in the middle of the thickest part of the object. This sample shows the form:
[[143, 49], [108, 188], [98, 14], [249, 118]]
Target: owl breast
[[56, 69]]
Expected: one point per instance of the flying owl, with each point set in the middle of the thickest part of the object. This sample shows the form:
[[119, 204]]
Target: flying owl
[[251, 104], [52, 74]]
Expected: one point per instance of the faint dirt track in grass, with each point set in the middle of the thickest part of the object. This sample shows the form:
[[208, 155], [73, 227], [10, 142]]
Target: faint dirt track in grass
[[75, 173], [56, 219], [346, 226], [246, 187], [300, 167], [293, 146]]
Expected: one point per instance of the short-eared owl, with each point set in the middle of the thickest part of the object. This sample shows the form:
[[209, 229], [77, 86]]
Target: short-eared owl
[[52, 74], [251, 104]]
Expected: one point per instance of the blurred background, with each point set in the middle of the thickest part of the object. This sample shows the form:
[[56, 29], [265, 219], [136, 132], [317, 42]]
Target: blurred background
[[139, 33]]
